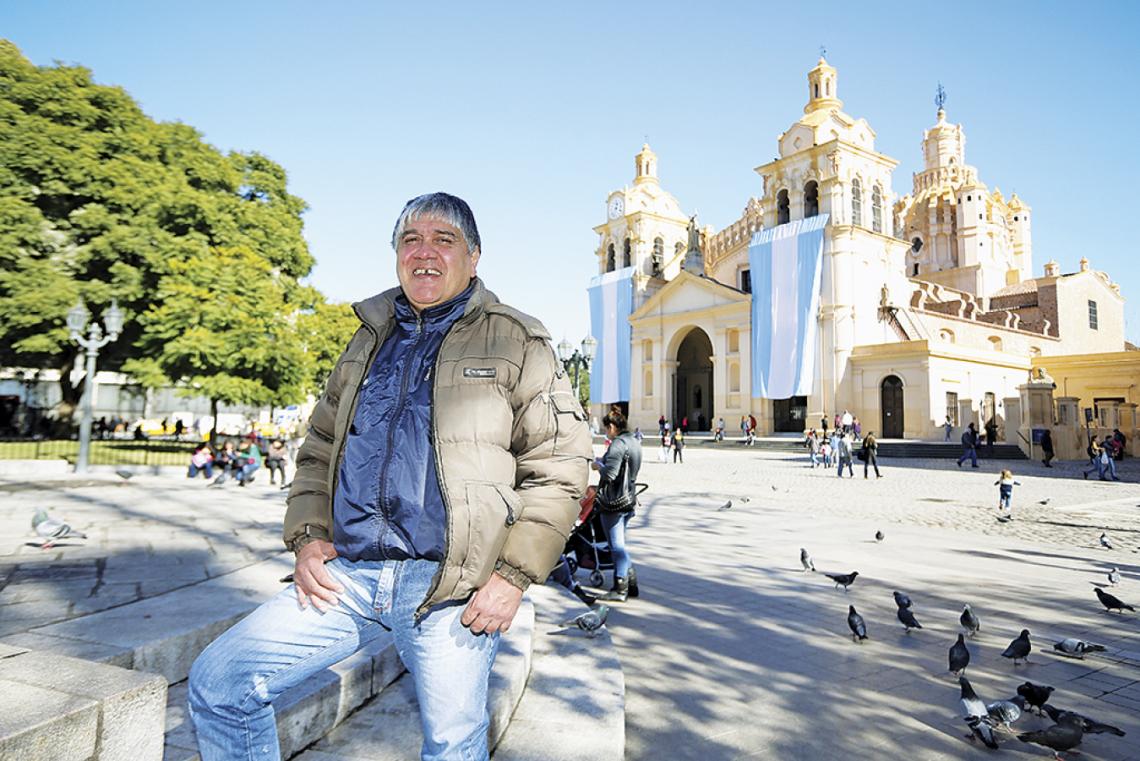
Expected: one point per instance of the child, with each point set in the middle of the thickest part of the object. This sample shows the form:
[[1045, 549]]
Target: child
[[1005, 492], [825, 450]]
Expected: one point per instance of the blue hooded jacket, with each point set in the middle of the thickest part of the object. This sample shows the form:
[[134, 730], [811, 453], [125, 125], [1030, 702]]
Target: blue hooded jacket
[[388, 504]]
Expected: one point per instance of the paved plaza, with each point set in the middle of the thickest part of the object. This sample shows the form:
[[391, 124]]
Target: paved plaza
[[731, 651]]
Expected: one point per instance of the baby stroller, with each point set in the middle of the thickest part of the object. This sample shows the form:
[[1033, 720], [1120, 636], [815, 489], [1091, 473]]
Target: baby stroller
[[588, 546]]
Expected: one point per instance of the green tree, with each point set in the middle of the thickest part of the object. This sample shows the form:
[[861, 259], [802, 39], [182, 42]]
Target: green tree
[[98, 201], [324, 331], [222, 326]]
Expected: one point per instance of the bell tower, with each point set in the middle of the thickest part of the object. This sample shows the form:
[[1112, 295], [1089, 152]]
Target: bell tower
[[645, 166], [823, 84]]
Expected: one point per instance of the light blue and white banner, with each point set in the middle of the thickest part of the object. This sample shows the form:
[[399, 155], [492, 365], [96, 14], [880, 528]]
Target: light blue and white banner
[[611, 304], [786, 263]]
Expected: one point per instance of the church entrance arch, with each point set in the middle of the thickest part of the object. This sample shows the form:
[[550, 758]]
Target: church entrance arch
[[891, 405], [693, 381]]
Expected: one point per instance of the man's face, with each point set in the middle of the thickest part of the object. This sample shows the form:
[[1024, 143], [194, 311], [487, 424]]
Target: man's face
[[432, 262]]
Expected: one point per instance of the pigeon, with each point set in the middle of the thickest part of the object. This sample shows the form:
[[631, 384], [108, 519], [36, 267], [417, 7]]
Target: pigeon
[[906, 616], [126, 475], [590, 621], [775, 488], [1044, 501], [1090, 726], [959, 656], [846, 579], [1064, 735], [1036, 695], [976, 715], [745, 499], [1005, 712], [857, 625], [969, 621], [879, 536], [53, 530], [1114, 576], [1104, 541], [1076, 647], [806, 561], [902, 599], [725, 506], [1019, 648], [1112, 602]]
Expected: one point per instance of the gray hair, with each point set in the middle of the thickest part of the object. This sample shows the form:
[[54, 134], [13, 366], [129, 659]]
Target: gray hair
[[444, 207]]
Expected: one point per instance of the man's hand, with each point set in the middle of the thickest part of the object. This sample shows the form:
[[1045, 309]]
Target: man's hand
[[312, 580], [493, 607]]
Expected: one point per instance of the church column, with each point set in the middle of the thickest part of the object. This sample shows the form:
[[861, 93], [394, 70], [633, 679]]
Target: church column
[[668, 387], [842, 320], [720, 374]]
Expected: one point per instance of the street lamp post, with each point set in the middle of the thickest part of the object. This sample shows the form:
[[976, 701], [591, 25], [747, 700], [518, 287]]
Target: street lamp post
[[573, 360], [77, 319]]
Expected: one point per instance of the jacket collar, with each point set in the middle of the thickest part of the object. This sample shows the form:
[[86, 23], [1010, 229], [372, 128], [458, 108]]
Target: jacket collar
[[379, 310]]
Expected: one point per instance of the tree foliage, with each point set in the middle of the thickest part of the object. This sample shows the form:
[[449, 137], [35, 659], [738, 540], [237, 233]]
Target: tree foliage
[[203, 250]]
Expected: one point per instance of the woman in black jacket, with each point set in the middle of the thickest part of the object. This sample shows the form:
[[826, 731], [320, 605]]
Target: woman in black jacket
[[617, 498]]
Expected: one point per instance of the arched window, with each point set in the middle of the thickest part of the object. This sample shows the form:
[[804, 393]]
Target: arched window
[[811, 199], [658, 262], [995, 343], [678, 248], [817, 90], [856, 202], [611, 264], [877, 209], [626, 258], [783, 208], [946, 335]]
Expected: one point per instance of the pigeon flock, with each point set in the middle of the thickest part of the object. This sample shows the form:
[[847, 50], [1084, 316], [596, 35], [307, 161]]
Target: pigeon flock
[[988, 720]]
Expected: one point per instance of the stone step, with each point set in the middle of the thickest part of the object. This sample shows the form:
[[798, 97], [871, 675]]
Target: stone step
[[61, 708], [324, 713], [573, 707]]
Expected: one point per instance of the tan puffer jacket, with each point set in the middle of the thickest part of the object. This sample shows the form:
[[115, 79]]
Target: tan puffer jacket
[[511, 443]]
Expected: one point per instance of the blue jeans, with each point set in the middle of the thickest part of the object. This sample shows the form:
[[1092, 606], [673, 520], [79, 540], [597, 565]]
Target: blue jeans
[[246, 472], [850, 467], [280, 645], [1109, 467], [970, 453], [208, 469], [614, 525]]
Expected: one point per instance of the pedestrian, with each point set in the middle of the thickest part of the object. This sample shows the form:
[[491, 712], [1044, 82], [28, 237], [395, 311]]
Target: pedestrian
[[661, 425], [846, 421], [857, 427], [276, 459], [617, 499], [179, 427], [1047, 447], [844, 451], [1005, 484], [433, 534], [719, 429], [1120, 442], [812, 444], [825, 452], [202, 460], [1107, 461], [949, 426], [969, 446], [637, 434], [1093, 451], [838, 421], [871, 454], [678, 445], [685, 424], [751, 429], [249, 460], [823, 424], [991, 436]]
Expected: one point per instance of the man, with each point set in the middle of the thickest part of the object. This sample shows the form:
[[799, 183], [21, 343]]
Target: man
[[1047, 447], [846, 421], [439, 479], [949, 426], [969, 446], [845, 455], [991, 436]]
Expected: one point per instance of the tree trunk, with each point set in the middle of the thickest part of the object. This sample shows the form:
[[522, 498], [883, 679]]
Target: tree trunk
[[69, 394], [214, 427]]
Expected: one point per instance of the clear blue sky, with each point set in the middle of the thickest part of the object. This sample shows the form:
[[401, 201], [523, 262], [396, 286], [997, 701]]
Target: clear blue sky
[[534, 114]]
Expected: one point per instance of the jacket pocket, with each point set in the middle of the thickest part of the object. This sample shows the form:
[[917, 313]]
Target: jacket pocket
[[492, 508]]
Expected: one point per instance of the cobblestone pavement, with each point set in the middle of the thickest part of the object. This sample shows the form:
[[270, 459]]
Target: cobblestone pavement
[[146, 536], [732, 652]]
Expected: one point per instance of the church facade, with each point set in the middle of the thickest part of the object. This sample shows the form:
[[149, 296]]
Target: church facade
[[928, 306]]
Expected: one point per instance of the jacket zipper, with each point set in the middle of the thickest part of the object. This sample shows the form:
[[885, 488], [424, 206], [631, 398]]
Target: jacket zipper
[[422, 610], [382, 501]]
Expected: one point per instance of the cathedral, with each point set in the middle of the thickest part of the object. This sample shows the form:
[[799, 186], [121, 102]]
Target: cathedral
[[925, 305]]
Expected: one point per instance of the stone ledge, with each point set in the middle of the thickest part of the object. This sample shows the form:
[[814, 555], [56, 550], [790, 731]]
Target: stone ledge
[[573, 708], [56, 707]]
